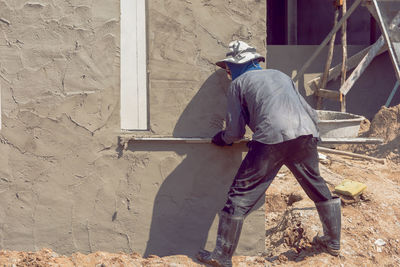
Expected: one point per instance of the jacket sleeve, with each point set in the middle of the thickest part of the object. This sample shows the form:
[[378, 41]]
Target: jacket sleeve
[[235, 122]]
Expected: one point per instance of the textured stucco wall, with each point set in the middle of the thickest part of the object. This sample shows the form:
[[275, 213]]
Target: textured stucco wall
[[65, 183], [187, 99], [60, 177]]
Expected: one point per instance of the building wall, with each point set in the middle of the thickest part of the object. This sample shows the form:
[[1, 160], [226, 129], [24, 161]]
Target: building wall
[[65, 181]]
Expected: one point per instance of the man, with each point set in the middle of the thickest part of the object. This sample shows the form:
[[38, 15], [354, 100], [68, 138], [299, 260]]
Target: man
[[284, 133]]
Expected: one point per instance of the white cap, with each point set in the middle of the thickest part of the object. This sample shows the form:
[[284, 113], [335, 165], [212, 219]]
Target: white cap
[[239, 53]]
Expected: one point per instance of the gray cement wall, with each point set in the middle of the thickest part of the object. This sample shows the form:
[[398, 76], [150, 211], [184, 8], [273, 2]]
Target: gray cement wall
[[65, 183]]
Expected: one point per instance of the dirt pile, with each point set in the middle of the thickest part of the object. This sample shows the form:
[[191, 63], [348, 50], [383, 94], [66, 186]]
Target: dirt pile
[[385, 125]]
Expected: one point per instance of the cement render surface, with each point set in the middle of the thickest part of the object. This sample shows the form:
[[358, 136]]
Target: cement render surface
[[65, 183]]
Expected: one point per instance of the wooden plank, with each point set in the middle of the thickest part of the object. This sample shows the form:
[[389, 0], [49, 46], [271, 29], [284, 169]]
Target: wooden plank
[[345, 88], [351, 140], [331, 94], [352, 62], [350, 154], [330, 53], [328, 63], [344, 46], [396, 22], [124, 139], [326, 40], [342, 98], [174, 139], [371, 8]]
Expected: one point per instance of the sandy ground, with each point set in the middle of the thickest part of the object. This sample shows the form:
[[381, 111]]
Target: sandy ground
[[370, 222]]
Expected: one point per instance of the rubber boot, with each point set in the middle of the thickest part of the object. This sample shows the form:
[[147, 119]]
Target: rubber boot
[[330, 216], [229, 229]]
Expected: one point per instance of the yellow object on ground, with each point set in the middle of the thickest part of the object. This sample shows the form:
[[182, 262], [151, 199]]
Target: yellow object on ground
[[350, 188]]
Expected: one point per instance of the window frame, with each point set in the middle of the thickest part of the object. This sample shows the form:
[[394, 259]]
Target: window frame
[[133, 56]]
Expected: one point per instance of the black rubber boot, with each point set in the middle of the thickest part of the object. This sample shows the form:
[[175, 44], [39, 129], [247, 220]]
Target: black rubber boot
[[330, 215], [229, 229]]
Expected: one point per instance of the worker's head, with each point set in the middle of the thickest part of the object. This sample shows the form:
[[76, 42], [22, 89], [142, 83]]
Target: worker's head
[[239, 55]]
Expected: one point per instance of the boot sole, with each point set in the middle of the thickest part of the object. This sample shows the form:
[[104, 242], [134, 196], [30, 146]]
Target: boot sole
[[209, 262], [203, 257], [331, 251]]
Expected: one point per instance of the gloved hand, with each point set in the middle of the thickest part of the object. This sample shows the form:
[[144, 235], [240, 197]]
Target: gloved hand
[[217, 139]]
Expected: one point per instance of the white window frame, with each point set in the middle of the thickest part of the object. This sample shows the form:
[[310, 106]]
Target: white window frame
[[133, 65]]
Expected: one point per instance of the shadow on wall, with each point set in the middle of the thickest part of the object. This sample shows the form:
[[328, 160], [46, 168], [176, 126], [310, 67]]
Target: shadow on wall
[[204, 115], [191, 196]]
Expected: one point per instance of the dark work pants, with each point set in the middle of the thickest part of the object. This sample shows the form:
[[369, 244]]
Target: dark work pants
[[263, 162]]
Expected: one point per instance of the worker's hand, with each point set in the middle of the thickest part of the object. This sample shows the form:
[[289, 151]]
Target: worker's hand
[[217, 139]]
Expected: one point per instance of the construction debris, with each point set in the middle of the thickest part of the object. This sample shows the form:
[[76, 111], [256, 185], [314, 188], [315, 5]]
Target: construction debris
[[350, 188], [350, 154]]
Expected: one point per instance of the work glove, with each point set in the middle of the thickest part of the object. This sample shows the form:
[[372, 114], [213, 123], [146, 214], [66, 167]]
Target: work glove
[[217, 139]]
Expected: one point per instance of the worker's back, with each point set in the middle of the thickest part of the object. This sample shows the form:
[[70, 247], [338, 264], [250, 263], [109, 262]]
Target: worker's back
[[272, 107]]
